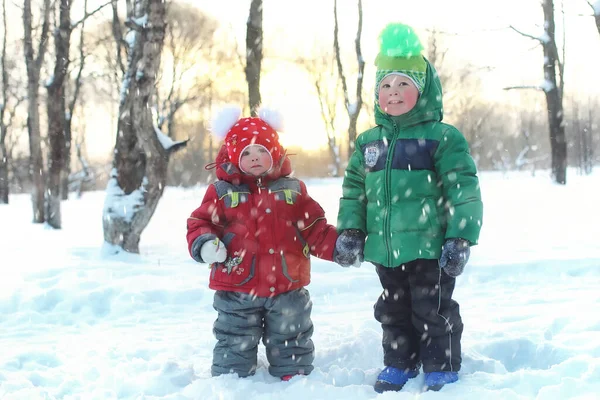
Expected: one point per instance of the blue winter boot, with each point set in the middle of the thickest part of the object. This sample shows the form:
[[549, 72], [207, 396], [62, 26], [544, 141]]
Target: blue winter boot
[[393, 379], [436, 380]]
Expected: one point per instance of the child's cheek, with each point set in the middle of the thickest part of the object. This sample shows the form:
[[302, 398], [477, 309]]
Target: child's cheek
[[382, 101]]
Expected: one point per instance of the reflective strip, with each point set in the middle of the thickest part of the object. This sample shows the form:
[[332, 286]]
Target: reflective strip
[[306, 250], [288, 196], [235, 199]]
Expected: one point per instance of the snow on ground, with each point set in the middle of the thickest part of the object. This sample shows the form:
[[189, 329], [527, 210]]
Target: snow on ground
[[75, 324]]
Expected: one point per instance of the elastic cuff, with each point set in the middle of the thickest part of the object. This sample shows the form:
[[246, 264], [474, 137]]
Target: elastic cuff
[[197, 245]]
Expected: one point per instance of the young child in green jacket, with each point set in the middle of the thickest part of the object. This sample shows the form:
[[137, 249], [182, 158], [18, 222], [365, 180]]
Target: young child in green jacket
[[411, 190]]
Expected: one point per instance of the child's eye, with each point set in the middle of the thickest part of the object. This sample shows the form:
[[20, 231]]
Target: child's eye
[[245, 153], [262, 150], [386, 86], [403, 84]]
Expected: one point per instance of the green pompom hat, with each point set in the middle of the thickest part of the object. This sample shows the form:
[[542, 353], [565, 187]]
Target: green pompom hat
[[400, 52]]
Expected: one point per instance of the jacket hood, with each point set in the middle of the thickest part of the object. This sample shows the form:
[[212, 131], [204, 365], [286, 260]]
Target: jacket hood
[[429, 107]]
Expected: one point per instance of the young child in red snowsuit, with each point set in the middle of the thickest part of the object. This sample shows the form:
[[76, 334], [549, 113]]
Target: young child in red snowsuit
[[258, 227]]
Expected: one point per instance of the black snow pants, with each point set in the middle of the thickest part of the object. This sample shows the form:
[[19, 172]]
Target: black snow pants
[[421, 323]]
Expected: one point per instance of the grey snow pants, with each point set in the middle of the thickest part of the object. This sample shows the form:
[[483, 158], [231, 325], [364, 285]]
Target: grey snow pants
[[282, 321]]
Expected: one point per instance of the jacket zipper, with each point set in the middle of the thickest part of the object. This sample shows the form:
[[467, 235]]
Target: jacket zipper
[[388, 199]]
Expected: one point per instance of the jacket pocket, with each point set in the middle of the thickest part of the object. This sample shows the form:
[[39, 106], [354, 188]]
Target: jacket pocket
[[240, 266]]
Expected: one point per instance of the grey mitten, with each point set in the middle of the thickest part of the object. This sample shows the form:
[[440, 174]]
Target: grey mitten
[[455, 254], [349, 248]]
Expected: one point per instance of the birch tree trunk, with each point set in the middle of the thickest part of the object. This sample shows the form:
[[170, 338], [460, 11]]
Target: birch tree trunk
[[34, 64], [140, 160], [56, 115], [4, 190], [254, 45]]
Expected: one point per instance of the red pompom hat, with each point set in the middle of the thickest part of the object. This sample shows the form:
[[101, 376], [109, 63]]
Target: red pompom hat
[[240, 133]]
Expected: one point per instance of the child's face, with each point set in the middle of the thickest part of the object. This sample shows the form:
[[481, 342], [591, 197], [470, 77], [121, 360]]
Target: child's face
[[255, 160], [397, 95]]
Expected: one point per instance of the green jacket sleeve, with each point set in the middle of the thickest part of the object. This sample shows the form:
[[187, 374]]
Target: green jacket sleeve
[[458, 175], [352, 213]]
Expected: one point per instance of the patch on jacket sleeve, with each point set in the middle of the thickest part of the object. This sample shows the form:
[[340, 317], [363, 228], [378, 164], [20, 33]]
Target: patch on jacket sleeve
[[371, 155], [375, 155], [232, 195], [286, 189]]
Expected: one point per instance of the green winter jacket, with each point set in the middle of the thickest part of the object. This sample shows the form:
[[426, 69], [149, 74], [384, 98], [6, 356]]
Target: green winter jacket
[[411, 184]]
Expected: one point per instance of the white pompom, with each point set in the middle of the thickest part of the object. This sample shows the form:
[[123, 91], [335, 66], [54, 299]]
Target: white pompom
[[272, 117], [224, 120]]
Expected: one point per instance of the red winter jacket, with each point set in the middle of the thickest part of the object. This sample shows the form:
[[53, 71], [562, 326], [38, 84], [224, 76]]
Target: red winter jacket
[[270, 227]]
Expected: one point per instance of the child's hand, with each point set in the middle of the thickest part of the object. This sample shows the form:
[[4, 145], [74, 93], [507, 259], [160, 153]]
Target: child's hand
[[455, 254], [349, 248], [213, 251]]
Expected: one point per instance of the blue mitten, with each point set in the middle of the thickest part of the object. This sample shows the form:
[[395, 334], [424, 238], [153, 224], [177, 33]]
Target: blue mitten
[[349, 248], [455, 254]]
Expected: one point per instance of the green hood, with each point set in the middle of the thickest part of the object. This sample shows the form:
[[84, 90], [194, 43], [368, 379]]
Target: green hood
[[429, 107]]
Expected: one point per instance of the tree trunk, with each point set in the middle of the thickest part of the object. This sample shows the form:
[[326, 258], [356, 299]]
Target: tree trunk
[[56, 107], [254, 44], [4, 190], [596, 8], [353, 109], [64, 189], [140, 162], [33, 65], [558, 143]]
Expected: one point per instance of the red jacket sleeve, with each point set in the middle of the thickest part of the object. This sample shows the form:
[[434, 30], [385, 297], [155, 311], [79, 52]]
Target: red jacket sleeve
[[205, 223], [313, 225]]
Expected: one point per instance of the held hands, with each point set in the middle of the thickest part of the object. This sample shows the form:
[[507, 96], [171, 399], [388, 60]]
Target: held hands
[[213, 251], [455, 254], [349, 248]]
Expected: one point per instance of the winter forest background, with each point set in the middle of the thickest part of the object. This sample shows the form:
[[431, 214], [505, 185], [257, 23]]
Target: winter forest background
[[520, 86]]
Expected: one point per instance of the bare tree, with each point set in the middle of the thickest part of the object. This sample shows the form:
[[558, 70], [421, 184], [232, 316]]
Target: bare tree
[[141, 152], [59, 116], [596, 9], [76, 90], [9, 103], [254, 54], [553, 92], [321, 70], [33, 64], [189, 38], [353, 109], [84, 176], [56, 114]]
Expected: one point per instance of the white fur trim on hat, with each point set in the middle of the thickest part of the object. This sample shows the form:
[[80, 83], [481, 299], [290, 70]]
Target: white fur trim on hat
[[272, 117], [224, 120]]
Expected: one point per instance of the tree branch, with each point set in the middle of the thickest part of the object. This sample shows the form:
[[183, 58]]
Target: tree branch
[[526, 34], [523, 87], [336, 47], [87, 15]]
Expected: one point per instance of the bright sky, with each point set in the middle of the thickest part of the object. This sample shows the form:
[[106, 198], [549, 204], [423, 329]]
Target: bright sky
[[479, 35]]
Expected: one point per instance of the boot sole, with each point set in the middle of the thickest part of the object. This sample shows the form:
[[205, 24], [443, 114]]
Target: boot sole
[[435, 388], [381, 387]]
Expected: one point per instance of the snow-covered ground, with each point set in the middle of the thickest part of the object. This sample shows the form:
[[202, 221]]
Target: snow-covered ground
[[75, 324]]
